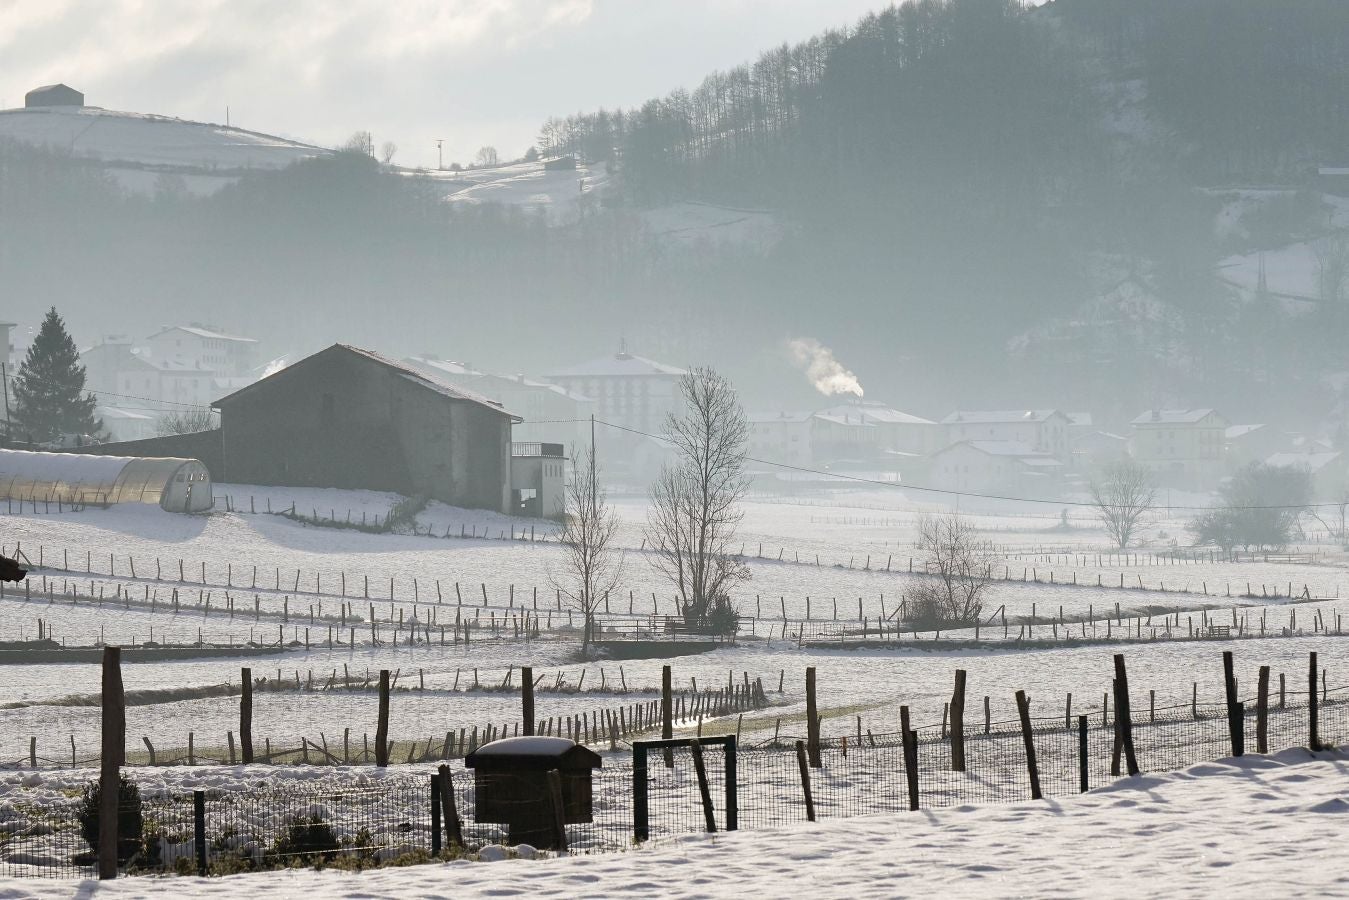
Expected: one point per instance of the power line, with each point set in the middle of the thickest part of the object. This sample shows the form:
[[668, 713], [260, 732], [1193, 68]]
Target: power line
[[120, 396], [952, 493]]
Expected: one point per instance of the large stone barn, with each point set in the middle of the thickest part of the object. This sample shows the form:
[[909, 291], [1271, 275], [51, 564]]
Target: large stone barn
[[350, 418]]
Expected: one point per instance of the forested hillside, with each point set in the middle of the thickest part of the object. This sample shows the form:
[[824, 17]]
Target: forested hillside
[[977, 203]]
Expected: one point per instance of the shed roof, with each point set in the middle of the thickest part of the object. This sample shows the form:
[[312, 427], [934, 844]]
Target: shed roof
[[1314, 462]]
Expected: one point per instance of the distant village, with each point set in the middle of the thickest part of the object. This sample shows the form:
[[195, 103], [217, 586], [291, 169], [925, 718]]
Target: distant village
[[347, 417]]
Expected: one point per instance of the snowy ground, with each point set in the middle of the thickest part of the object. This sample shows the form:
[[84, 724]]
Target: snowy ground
[[436, 579], [1186, 834]]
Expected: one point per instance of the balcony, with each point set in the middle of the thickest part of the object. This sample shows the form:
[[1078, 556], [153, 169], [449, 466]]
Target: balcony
[[536, 449]]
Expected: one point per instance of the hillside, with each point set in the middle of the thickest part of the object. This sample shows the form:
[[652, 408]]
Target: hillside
[[971, 202]]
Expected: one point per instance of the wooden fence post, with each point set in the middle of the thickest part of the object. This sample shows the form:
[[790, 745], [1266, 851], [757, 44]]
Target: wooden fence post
[[1123, 719], [1083, 782], [666, 713], [958, 723], [527, 700], [805, 779], [1023, 709], [700, 769], [1233, 711], [1314, 733], [909, 742], [1262, 712], [382, 726], [449, 809], [113, 755], [246, 716], [813, 720]]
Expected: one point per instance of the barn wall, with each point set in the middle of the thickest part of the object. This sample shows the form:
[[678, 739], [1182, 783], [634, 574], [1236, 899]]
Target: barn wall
[[340, 420], [203, 445]]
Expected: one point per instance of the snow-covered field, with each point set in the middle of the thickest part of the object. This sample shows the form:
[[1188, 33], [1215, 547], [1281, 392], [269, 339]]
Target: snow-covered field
[[295, 581], [1241, 827]]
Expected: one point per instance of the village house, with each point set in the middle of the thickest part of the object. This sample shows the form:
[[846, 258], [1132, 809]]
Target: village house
[[781, 437], [1329, 470], [1045, 431], [1006, 468], [549, 412], [1183, 447], [626, 390]]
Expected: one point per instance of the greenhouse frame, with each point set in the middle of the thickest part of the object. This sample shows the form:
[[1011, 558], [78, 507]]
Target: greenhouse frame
[[80, 479]]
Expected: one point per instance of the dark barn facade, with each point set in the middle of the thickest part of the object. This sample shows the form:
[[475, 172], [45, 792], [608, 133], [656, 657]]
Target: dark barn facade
[[350, 418]]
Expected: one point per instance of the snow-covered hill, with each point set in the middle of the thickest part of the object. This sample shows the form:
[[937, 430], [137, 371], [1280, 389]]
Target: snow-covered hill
[[139, 149]]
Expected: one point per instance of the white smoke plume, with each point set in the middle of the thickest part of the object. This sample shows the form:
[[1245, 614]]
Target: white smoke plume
[[825, 372]]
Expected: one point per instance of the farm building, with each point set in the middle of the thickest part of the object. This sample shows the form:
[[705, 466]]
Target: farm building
[[350, 418], [177, 485], [53, 95]]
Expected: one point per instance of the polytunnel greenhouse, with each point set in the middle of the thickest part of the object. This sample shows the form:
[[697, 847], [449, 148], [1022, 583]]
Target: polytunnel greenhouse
[[177, 485]]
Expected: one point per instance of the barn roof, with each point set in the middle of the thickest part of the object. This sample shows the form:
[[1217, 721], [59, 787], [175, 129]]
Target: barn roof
[[417, 377], [1173, 416]]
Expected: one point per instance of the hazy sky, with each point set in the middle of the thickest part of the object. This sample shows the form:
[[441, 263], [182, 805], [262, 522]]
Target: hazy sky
[[472, 72]]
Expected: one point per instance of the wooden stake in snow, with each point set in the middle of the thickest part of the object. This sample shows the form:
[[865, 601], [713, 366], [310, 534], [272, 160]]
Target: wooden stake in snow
[[113, 755]]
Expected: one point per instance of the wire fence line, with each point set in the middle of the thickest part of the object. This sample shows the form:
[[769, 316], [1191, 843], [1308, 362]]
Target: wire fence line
[[353, 822]]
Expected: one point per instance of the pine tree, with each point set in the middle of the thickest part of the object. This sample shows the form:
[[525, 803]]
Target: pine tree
[[49, 389]]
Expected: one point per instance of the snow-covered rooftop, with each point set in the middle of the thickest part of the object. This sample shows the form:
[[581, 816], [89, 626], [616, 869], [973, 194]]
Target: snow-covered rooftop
[[999, 416], [619, 365], [1314, 462], [1018, 450], [1173, 416], [876, 413], [205, 333]]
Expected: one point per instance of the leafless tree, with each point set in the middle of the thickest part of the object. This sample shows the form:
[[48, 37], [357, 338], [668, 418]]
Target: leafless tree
[[960, 568], [187, 421], [387, 151], [1122, 493], [1332, 266], [694, 502], [360, 142], [1338, 524], [487, 157], [591, 563]]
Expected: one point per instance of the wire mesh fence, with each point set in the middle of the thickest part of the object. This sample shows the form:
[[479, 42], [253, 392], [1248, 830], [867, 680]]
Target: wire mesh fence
[[353, 820]]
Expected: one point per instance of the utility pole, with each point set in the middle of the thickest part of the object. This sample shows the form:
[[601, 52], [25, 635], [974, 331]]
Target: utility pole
[[440, 154], [4, 377]]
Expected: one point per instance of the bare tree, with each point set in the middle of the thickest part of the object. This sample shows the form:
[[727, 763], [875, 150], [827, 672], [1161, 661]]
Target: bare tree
[[387, 151], [1332, 266], [960, 566], [1122, 493], [360, 142], [694, 502], [1338, 526], [591, 563], [187, 421], [487, 157]]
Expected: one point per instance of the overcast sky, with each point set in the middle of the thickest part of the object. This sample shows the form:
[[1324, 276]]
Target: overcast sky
[[472, 72]]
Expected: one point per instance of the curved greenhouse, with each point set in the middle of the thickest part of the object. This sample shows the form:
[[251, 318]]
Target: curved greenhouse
[[177, 485]]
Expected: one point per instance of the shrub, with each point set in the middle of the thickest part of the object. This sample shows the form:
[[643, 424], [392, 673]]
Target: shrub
[[305, 839], [130, 821], [722, 616]]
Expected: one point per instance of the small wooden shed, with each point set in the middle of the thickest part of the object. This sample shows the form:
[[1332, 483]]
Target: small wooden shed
[[510, 779]]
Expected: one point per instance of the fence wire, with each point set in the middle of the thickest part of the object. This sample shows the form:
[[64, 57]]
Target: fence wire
[[379, 820]]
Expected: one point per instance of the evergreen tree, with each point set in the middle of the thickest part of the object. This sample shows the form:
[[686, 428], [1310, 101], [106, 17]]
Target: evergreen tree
[[49, 390]]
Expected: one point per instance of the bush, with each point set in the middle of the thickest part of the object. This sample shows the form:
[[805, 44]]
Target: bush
[[722, 616], [306, 839], [130, 821]]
